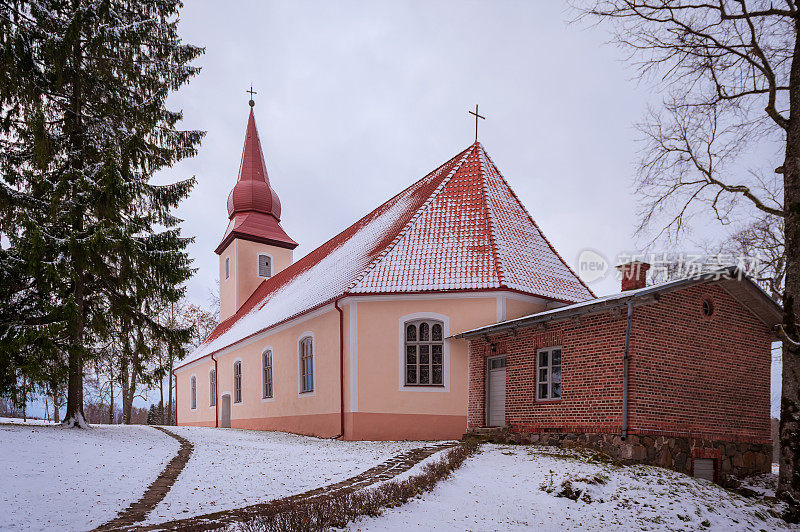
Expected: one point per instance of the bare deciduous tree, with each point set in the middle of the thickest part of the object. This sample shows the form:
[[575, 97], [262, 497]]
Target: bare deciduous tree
[[730, 74], [763, 240]]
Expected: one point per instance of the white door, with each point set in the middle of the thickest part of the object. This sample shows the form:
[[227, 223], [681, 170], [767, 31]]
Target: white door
[[496, 392], [225, 414]]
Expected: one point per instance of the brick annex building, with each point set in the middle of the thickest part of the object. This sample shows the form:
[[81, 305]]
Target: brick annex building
[[676, 374], [364, 337]]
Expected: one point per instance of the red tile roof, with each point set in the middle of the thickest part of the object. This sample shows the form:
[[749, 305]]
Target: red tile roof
[[461, 227]]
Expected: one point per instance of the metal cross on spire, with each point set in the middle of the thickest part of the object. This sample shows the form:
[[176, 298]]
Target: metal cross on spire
[[477, 116], [252, 92]]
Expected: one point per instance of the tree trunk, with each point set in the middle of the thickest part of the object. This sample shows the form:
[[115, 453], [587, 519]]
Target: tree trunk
[[126, 385], [789, 476], [170, 417], [161, 402], [111, 392], [75, 416], [56, 417]]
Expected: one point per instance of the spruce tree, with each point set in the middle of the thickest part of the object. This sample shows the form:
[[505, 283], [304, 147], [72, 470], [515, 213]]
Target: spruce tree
[[83, 128]]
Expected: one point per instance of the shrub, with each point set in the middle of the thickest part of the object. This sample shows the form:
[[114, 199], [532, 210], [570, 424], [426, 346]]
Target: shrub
[[339, 508]]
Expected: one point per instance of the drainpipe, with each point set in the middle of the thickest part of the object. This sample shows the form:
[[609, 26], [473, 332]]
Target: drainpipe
[[625, 373], [176, 397], [341, 367], [216, 393]]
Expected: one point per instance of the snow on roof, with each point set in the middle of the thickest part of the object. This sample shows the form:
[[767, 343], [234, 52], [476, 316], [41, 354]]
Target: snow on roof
[[474, 234], [723, 274], [527, 261], [458, 228]]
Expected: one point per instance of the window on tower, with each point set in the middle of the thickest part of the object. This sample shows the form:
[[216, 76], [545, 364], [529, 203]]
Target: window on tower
[[264, 265], [227, 267]]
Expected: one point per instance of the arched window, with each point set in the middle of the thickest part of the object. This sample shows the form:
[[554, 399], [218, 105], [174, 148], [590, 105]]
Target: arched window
[[307, 365], [424, 353], [266, 362], [227, 267], [264, 265], [212, 388], [237, 381], [194, 392]]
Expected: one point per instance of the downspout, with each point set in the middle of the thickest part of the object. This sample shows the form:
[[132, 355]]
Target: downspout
[[216, 393], [625, 372], [176, 397], [341, 368]]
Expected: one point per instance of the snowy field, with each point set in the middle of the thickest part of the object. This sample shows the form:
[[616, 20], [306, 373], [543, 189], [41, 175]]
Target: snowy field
[[517, 487], [69, 479], [72, 479], [20, 421], [232, 468]]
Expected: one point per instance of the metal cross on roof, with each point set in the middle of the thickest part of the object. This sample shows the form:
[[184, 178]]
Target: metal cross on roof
[[477, 116], [252, 92]]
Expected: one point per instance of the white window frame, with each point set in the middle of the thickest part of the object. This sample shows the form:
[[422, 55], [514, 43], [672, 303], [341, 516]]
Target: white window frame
[[270, 397], [241, 382], [549, 367], [212, 387], [271, 265], [401, 352], [418, 343], [193, 392], [227, 267], [313, 391]]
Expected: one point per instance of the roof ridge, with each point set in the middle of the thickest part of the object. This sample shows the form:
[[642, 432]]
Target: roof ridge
[[414, 217], [541, 233], [492, 222]]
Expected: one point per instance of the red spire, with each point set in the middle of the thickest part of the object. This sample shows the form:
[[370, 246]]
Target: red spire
[[254, 209], [252, 191]]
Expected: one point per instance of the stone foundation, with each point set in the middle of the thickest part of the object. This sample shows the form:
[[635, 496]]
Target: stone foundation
[[739, 459]]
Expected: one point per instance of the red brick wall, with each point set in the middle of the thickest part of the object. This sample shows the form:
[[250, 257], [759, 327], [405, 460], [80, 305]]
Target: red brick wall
[[699, 375], [688, 374]]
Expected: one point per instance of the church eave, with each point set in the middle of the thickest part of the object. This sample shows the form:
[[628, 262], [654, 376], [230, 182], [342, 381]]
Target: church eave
[[288, 243]]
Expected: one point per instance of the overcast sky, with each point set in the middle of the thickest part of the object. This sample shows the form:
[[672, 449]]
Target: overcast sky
[[358, 100]]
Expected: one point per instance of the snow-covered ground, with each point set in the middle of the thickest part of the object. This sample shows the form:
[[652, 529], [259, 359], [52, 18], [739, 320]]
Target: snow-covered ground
[[75, 479], [20, 421], [71, 479], [232, 468], [519, 487]]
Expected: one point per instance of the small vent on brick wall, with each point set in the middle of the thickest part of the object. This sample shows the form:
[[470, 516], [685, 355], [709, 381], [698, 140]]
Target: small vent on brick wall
[[708, 308]]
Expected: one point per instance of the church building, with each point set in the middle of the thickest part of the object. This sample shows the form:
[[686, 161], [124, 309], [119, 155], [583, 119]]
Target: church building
[[446, 311], [354, 339]]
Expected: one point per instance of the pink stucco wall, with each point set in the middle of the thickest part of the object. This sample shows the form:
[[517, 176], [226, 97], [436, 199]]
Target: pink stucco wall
[[378, 406], [243, 255]]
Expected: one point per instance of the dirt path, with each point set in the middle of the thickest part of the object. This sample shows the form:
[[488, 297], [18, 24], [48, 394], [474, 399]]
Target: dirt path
[[383, 471], [138, 510]]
